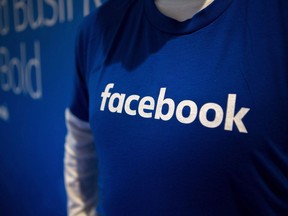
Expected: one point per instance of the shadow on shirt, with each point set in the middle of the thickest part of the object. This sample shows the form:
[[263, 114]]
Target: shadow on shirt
[[127, 35]]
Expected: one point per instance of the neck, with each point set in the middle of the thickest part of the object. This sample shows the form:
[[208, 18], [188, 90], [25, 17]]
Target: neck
[[181, 10]]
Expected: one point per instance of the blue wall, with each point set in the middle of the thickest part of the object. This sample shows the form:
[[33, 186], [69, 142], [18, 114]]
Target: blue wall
[[36, 76]]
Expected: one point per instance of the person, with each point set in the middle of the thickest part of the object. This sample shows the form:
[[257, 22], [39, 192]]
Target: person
[[180, 108]]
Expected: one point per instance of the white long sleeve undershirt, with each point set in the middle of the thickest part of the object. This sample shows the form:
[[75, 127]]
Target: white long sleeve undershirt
[[80, 167]]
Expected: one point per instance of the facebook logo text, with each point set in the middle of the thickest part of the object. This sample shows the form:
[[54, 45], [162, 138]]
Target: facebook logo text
[[148, 107]]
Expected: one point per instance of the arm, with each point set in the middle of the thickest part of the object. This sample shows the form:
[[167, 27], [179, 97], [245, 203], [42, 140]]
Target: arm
[[80, 167]]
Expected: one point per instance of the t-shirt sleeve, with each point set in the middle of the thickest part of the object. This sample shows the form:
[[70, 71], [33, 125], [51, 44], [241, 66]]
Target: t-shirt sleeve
[[79, 104]]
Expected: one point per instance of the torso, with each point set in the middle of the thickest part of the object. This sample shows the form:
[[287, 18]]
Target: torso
[[203, 159]]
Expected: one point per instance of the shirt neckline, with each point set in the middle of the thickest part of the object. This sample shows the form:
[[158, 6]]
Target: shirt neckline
[[198, 21]]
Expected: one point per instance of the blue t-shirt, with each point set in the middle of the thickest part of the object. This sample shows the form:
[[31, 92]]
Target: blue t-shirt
[[189, 118]]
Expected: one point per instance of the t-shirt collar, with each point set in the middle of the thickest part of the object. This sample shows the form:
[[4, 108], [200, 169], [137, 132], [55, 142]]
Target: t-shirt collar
[[198, 21]]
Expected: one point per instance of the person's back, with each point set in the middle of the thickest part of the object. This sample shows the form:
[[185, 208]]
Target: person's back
[[189, 118]]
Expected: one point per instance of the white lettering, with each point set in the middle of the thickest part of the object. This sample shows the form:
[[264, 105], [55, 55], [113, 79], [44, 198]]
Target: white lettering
[[118, 108], [20, 76], [218, 115], [35, 23], [144, 106], [61, 6], [31, 13], [193, 111], [5, 78], [15, 63], [4, 113], [127, 107], [160, 103], [231, 117], [4, 17], [105, 95], [36, 92], [70, 10], [86, 6], [53, 4], [20, 10]]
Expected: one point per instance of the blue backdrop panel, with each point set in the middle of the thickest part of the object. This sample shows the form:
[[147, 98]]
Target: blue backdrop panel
[[36, 76]]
